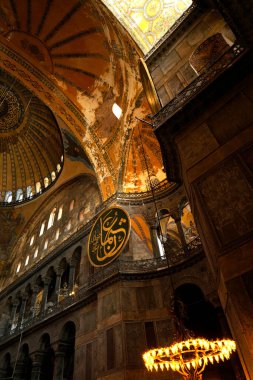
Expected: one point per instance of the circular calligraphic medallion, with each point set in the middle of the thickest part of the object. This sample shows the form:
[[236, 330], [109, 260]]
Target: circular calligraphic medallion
[[108, 236]]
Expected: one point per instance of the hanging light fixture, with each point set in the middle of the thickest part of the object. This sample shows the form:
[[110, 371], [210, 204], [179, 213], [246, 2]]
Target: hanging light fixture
[[190, 355]]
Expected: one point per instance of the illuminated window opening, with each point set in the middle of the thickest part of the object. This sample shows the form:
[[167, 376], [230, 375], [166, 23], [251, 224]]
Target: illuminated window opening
[[46, 244], [32, 240], [8, 196], [117, 111], [42, 229], [38, 187], [161, 248], [19, 195], [18, 268], [29, 192], [51, 219], [26, 260], [60, 213], [62, 158], [72, 204], [68, 226], [36, 253], [46, 182], [57, 234], [58, 167], [53, 176]]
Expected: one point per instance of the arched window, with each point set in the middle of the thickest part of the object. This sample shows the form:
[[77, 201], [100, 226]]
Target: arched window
[[60, 213], [42, 229], [26, 260], [38, 187], [8, 196], [51, 218], [72, 204], [19, 195], [68, 225], [36, 253], [18, 267], [32, 240], [53, 176], [57, 234], [46, 244], [62, 158], [58, 167], [29, 192], [46, 181]]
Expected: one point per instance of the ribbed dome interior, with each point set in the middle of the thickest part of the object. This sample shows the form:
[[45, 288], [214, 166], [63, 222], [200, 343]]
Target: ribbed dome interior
[[31, 149]]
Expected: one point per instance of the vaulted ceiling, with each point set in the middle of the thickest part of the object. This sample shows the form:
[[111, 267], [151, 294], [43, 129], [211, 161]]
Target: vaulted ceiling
[[78, 59]]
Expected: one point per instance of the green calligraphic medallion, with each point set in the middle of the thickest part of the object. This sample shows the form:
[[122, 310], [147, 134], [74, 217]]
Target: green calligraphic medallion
[[108, 236]]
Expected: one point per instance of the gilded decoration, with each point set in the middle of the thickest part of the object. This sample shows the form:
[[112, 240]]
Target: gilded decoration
[[147, 20], [108, 236]]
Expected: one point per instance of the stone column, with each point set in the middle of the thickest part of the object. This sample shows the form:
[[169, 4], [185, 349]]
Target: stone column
[[59, 272], [154, 241], [22, 310], [47, 281], [36, 290], [14, 311], [176, 215], [59, 365], [72, 269], [36, 365]]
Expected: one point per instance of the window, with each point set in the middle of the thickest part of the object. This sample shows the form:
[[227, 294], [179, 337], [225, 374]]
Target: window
[[58, 167], [36, 253], [72, 204], [57, 234], [62, 158], [8, 196], [46, 244], [46, 181], [42, 229], [60, 213], [53, 176], [117, 111], [38, 187], [32, 240], [51, 219], [29, 192], [26, 260], [18, 267], [68, 226], [19, 195]]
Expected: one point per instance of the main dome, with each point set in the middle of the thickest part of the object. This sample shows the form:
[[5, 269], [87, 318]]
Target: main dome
[[31, 148]]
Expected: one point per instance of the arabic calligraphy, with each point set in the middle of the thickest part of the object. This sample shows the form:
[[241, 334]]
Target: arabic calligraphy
[[108, 236]]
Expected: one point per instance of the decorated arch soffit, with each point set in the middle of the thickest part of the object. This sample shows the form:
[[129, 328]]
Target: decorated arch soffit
[[78, 59], [147, 20]]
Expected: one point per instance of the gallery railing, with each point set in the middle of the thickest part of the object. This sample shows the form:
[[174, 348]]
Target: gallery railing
[[118, 267], [198, 85]]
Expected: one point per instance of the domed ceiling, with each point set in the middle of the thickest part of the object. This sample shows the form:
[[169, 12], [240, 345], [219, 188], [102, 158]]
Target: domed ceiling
[[78, 59], [31, 149]]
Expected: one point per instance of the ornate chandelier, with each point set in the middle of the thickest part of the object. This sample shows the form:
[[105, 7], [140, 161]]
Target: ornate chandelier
[[189, 357]]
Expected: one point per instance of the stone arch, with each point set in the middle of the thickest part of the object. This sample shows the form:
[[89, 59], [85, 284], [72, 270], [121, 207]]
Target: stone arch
[[47, 356], [66, 351], [5, 366]]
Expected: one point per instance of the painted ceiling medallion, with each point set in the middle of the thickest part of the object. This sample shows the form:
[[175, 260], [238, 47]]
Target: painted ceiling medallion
[[11, 110], [108, 236]]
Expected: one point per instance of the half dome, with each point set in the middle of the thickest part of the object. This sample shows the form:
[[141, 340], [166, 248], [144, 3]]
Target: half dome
[[31, 148]]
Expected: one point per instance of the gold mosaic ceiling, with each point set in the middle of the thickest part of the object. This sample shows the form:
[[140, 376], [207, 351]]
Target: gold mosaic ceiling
[[31, 150], [77, 58], [147, 20]]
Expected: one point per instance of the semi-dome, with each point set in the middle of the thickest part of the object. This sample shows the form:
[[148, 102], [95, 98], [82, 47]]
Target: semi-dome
[[31, 148]]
